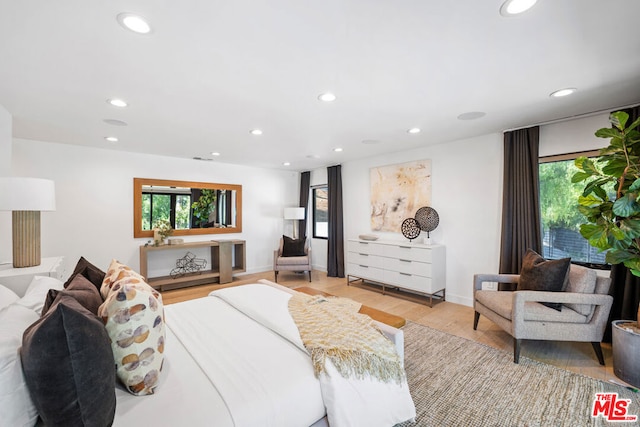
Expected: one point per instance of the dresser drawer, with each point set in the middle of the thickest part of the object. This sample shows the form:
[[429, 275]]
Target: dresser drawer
[[407, 266], [365, 272], [411, 281], [408, 252], [365, 247], [365, 259]]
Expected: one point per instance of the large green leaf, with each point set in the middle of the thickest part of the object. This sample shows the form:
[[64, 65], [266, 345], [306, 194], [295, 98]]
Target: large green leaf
[[615, 256], [618, 119], [596, 235], [580, 176], [630, 227], [589, 200], [626, 205], [608, 133], [615, 167]]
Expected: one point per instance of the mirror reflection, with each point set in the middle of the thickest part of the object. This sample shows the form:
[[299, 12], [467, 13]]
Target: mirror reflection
[[190, 207]]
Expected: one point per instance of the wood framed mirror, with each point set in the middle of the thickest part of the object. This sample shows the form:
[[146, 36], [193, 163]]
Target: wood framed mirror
[[192, 208]]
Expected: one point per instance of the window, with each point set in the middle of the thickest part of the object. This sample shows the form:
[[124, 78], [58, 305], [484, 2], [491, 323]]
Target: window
[[320, 212], [172, 206], [559, 213]]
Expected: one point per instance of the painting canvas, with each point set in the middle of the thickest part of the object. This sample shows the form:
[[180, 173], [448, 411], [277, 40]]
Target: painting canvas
[[397, 192]]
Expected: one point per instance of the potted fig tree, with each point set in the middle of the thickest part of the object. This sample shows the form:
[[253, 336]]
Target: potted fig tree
[[611, 204]]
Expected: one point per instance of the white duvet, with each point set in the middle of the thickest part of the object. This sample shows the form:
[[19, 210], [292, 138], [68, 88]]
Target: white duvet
[[349, 402], [235, 359]]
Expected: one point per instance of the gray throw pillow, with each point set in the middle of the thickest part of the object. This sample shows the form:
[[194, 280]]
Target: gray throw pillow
[[539, 274]]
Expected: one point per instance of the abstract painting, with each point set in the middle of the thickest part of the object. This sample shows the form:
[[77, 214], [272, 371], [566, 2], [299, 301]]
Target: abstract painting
[[397, 192]]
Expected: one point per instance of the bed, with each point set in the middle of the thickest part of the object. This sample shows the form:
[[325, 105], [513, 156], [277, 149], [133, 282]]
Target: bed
[[233, 358]]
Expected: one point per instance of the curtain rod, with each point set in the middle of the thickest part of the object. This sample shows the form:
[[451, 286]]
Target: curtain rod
[[566, 119]]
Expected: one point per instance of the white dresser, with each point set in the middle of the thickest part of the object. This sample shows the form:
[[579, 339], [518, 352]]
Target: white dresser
[[412, 266]]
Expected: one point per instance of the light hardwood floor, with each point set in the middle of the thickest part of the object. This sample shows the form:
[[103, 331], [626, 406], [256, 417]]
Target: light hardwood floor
[[452, 318]]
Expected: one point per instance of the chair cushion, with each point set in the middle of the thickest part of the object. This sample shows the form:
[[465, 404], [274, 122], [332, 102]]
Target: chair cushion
[[582, 280], [539, 274], [292, 260], [500, 302], [293, 247]]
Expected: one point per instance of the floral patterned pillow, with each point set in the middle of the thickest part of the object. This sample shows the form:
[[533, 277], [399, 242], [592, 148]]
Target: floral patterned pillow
[[118, 272], [134, 318]]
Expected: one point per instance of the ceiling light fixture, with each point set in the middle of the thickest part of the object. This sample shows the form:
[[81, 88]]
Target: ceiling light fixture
[[117, 102], [327, 97], [337, 150], [515, 7], [111, 138], [286, 164], [563, 92], [115, 122], [414, 130], [215, 153], [135, 23], [255, 132], [471, 115]]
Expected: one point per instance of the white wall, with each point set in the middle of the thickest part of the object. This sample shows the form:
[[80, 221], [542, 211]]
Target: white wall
[[94, 200], [573, 136], [5, 170], [466, 193]]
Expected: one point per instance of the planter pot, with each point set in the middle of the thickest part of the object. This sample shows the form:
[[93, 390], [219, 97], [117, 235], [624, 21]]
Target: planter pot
[[626, 353]]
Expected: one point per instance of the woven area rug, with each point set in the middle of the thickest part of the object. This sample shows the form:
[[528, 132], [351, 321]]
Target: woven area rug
[[458, 382]]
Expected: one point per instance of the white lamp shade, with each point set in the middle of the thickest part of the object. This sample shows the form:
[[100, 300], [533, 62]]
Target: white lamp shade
[[27, 194], [293, 213]]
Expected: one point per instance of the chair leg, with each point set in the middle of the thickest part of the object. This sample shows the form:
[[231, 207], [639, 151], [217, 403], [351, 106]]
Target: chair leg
[[476, 317], [309, 275], [516, 350], [276, 271], [598, 350]]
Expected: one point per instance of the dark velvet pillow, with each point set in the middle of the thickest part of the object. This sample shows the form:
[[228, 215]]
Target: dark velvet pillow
[[539, 274], [293, 247], [79, 288], [88, 270], [68, 366]]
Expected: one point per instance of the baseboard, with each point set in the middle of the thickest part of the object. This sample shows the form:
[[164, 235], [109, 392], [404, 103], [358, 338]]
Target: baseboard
[[457, 299]]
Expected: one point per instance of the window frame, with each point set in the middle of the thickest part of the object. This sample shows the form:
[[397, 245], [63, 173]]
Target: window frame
[[314, 231], [566, 157]]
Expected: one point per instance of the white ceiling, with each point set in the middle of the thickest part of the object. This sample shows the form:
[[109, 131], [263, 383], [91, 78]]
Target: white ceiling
[[212, 70]]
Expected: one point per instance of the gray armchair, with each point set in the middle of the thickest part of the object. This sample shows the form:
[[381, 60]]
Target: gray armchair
[[583, 317], [291, 263]]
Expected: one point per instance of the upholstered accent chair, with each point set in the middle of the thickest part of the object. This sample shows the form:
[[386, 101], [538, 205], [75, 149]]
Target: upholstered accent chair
[[301, 262], [583, 316]]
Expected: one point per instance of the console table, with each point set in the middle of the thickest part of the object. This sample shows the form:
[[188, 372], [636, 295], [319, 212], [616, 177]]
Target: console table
[[411, 266], [227, 257]]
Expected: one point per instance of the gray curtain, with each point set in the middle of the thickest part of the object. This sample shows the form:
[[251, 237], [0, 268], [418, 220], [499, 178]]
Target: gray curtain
[[625, 287], [305, 180], [521, 199], [335, 244]]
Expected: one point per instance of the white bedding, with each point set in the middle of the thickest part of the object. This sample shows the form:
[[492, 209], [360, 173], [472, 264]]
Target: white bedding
[[239, 372]]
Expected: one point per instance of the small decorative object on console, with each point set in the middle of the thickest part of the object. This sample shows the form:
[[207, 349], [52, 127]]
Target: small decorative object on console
[[370, 237], [428, 219], [188, 264], [175, 241], [410, 228]]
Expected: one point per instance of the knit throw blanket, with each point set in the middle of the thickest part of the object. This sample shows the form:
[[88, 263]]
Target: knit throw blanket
[[331, 328]]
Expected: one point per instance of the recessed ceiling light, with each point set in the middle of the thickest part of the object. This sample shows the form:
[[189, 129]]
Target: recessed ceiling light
[[115, 122], [135, 23], [337, 150], [414, 130], [117, 102], [515, 7], [471, 115], [255, 132], [286, 164], [111, 138], [563, 92], [327, 97], [215, 153]]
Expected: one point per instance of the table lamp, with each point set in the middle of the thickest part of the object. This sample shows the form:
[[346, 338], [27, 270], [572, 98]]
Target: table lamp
[[294, 214], [26, 198]]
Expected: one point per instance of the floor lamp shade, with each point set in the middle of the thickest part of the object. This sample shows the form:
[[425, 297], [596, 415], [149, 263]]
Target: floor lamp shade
[[26, 198], [294, 214]]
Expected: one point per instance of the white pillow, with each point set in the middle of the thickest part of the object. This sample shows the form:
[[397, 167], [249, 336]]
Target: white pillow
[[16, 406], [7, 296], [36, 293]]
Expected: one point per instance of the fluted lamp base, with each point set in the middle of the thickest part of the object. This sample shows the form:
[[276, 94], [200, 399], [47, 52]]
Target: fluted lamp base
[[26, 238]]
